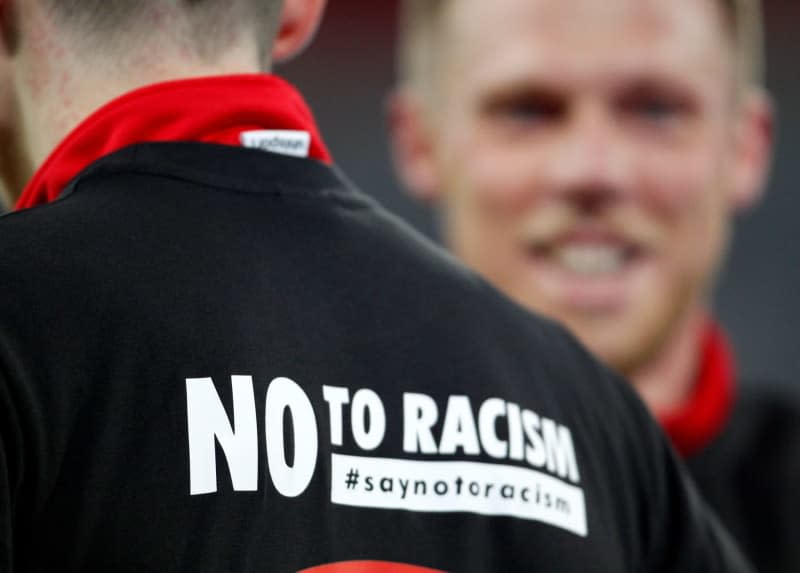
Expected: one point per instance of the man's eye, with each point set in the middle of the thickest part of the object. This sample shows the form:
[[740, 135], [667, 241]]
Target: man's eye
[[654, 110], [531, 112], [526, 111]]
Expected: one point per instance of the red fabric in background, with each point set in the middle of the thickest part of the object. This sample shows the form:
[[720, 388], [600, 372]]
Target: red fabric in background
[[701, 419], [369, 567]]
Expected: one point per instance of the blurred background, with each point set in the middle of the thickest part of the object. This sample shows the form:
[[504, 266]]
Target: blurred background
[[347, 75]]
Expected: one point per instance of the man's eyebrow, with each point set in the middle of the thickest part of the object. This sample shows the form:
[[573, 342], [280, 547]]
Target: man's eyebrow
[[659, 86], [527, 84], [542, 94]]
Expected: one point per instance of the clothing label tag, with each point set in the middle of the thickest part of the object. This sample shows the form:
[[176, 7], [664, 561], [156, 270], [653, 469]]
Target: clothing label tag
[[283, 141]]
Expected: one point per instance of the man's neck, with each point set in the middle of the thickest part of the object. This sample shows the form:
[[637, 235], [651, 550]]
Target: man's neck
[[15, 169], [667, 381], [52, 105], [54, 124]]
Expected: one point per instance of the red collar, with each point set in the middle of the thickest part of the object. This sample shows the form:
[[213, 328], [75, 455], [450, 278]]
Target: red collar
[[701, 419], [212, 110]]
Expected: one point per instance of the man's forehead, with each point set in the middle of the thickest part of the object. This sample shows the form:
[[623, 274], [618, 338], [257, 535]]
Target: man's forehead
[[584, 37]]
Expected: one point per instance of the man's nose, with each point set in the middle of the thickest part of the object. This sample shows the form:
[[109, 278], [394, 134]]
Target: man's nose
[[593, 163]]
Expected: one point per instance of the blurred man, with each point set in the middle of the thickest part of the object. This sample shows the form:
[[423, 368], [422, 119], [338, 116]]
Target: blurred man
[[588, 158], [216, 355]]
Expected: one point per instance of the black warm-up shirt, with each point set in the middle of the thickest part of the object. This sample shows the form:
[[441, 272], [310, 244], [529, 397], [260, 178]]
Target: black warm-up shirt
[[221, 359]]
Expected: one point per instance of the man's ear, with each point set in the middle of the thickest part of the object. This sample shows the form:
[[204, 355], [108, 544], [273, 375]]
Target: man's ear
[[299, 21], [754, 145], [413, 146]]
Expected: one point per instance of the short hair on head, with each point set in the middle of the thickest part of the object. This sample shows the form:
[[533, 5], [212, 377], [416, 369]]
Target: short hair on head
[[420, 26], [207, 24], [746, 24]]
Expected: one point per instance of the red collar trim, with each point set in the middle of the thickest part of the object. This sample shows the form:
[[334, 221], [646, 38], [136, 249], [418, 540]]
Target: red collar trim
[[211, 110], [701, 419]]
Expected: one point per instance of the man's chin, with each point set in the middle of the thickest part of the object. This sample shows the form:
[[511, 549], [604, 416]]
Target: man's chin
[[627, 335], [626, 347]]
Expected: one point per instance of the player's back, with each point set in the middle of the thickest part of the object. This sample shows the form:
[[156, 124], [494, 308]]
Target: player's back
[[217, 359]]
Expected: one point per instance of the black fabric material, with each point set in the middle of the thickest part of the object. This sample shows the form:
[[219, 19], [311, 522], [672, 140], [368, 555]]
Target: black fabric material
[[750, 475], [168, 262]]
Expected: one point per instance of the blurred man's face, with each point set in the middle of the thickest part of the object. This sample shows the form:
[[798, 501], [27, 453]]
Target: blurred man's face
[[586, 154]]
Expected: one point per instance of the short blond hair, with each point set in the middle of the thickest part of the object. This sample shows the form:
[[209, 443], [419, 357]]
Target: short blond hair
[[420, 26], [746, 24]]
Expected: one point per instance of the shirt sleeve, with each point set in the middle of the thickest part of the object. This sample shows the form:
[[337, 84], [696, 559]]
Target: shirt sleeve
[[666, 525], [683, 533]]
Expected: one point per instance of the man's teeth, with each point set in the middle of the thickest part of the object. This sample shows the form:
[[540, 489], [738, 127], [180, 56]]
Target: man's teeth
[[590, 259]]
